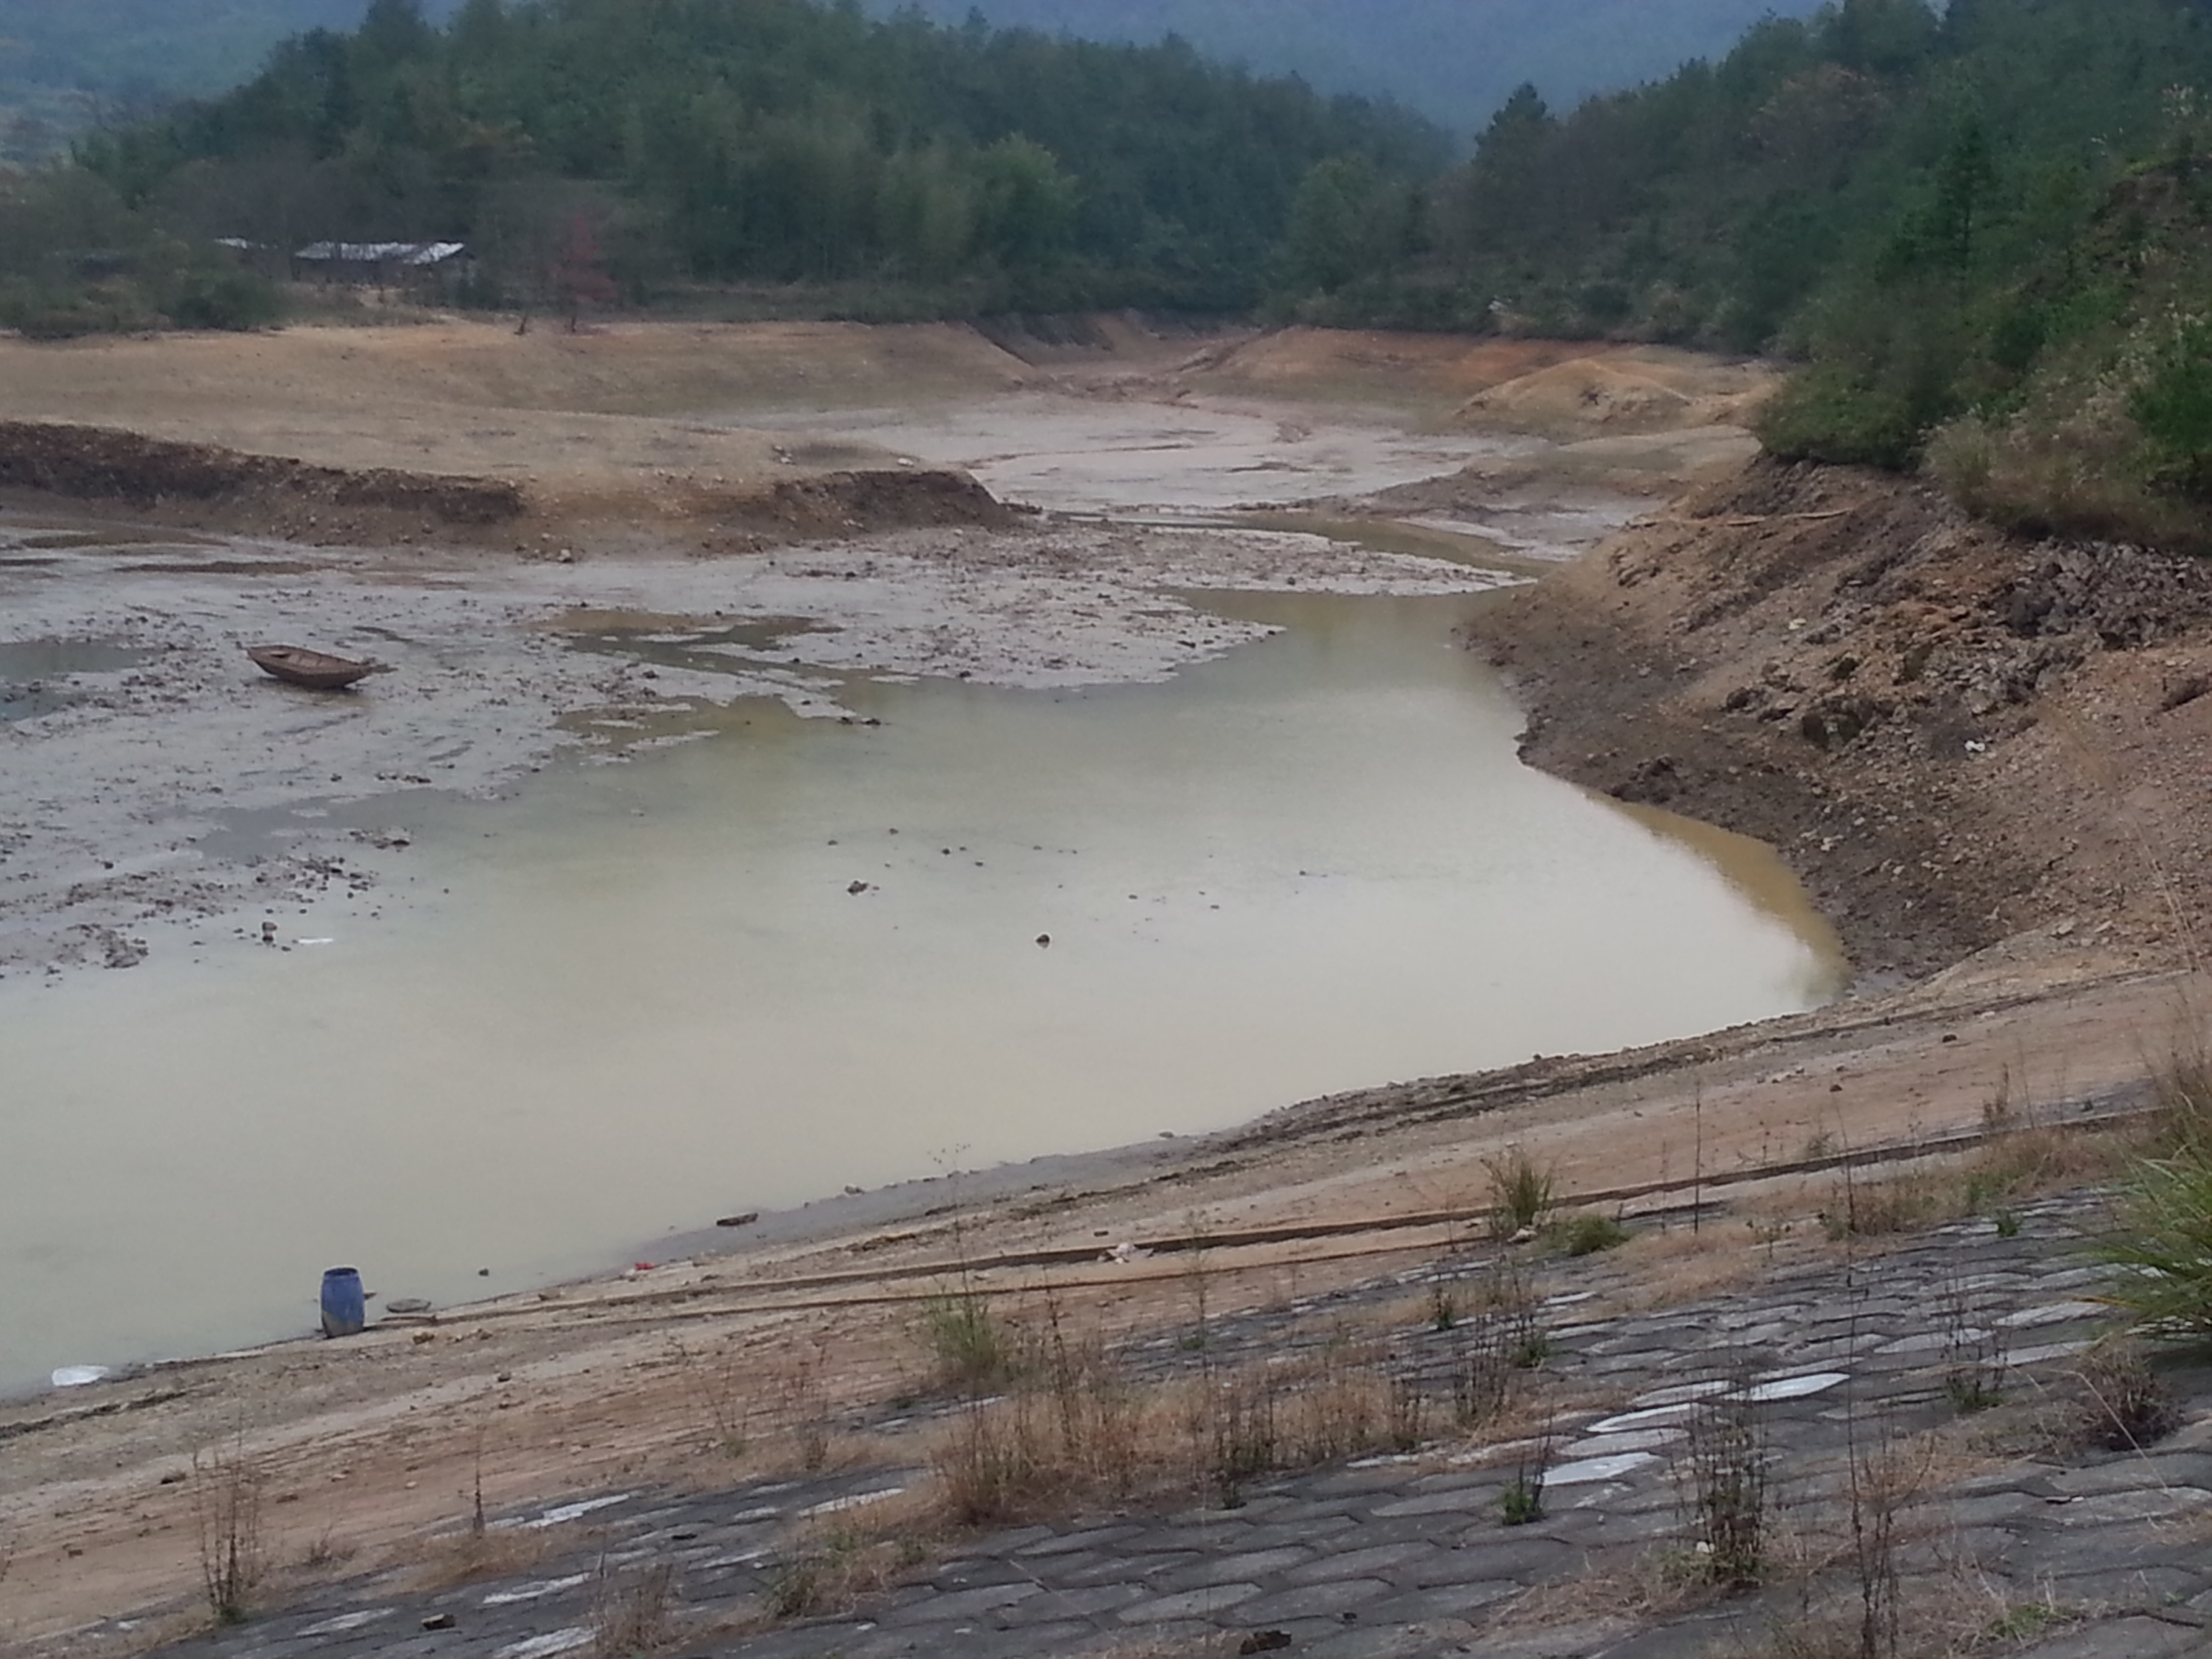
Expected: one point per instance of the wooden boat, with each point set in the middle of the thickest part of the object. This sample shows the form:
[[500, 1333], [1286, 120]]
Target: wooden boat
[[317, 670]]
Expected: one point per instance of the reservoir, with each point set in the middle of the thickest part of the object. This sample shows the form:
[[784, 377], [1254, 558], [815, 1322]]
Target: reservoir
[[783, 957]]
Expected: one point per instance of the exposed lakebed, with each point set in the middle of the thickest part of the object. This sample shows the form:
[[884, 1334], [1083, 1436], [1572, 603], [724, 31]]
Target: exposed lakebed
[[927, 850], [794, 955]]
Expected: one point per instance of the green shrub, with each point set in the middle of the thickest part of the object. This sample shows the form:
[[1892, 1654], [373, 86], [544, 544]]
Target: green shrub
[[2174, 407], [1587, 1235], [1522, 1502], [2161, 1243], [1521, 1192], [972, 1348], [220, 298]]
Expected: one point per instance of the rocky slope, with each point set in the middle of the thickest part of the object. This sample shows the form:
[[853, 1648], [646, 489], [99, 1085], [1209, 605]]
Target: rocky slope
[[1957, 736]]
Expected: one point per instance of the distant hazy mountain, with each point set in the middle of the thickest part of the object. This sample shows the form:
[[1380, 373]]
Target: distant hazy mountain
[[67, 63], [1456, 61], [152, 47]]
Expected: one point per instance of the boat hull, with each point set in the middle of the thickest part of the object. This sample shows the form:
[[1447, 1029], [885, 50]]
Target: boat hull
[[316, 670]]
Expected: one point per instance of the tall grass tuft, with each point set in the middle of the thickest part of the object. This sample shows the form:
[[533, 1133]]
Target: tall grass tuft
[[1522, 1192], [227, 1488], [2160, 1238], [973, 1351], [2161, 1243]]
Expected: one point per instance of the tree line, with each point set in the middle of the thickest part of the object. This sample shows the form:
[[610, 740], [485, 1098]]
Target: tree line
[[924, 170], [1982, 227]]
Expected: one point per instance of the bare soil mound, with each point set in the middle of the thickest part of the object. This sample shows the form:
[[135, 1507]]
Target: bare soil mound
[[852, 503], [1367, 365], [96, 464], [1555, 388], [1626, 392], [1956, 735]]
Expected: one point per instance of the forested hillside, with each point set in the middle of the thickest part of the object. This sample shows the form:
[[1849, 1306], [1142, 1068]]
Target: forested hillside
[[1456, 61], [1987, 229], [637, 146]]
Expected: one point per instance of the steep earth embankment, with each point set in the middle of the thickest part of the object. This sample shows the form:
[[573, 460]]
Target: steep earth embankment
[[1957, 736], [95, 463], [208, 487]]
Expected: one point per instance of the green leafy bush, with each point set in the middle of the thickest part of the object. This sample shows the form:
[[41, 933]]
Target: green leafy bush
[[2161, 1243], [2174, 407]]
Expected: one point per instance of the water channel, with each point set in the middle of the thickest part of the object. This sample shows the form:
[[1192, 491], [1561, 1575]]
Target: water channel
[[635, 997]]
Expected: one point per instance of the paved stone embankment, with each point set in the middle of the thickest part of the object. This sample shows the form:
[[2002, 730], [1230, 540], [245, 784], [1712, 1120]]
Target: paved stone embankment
[[2041, 1547]]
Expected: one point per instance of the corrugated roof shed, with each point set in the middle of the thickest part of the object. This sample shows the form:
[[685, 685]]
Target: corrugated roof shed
[[380, 253]]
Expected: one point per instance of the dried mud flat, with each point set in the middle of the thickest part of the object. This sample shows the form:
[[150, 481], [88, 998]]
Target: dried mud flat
[[1675, 644]]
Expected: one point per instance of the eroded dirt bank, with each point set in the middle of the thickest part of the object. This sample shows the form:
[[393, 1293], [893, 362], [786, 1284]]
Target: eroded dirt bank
[[1957, 736]]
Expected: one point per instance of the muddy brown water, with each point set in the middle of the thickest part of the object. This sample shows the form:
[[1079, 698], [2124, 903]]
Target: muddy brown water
[[635, 997]]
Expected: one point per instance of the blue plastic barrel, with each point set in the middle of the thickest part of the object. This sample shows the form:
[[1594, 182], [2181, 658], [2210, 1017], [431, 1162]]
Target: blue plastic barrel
[[346, 1310]]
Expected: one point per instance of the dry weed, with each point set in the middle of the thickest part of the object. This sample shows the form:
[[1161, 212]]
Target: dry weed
[[1659, 1270], [226, 1491], [326, 1551], [1651, 1585], [806, 1408], [467, 1557], [1725, 1468], [719, 1384], [2181, 1093], [2120, 1403], [840, 1565], [633, 1612], [1073, 1430], [2017, 1163]]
